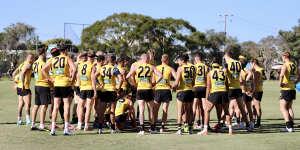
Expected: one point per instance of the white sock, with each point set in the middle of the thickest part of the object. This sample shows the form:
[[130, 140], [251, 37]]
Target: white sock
[[205, 127], [42, 126], [53, 126], [67, 125], [230, 127], [27, 118], [19, 118], [86, 125], [79, 124]]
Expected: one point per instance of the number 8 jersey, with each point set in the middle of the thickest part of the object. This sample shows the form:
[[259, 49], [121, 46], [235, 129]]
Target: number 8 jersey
[[85, 71], [61, 70]]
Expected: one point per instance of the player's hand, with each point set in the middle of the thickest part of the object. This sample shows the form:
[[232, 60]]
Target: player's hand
[[282, 84], [23, 88], [95, 95]]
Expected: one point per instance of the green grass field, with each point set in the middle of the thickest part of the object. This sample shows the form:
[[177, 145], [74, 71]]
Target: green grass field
[[268, 137]]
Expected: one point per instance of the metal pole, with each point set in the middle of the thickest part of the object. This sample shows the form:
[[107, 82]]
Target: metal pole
[[64, 31], [36, 43]]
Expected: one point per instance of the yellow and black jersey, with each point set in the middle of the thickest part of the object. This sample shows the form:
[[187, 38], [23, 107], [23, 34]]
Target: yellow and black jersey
[[61, 70], [218, 79], [290, 76], [233, 75], [260, 81], [27, 76], [200, 74], [144, 73], [247, 84], [109, 74], [187, 77], [85, 74], [99, 79], [165, 82], [121, 107], [40, 80]]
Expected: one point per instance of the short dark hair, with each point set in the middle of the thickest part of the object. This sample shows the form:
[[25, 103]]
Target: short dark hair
[[41, 51], [185, 58], [287, 54], [200, 55], [63, 47], [100, 58], [91, 53], [121, 59], [229, 52]]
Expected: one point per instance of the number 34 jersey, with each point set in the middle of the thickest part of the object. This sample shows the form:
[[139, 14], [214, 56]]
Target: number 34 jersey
[[85, 71], [108, 75], [61, 71]]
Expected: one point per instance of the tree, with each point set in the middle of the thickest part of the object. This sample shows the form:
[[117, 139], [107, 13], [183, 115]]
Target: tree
[[269, 53], [250, 49], [290, 41], [133, 34]]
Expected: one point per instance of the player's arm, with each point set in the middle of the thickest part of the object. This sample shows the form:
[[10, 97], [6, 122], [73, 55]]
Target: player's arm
[[131, 112], [242, 82], [97, 73], [120, 77], [208, 84], [256, 76], [27, 68], [282, 73], [158, 74], [131, 72], [178, 77], [45, 71], [73, 69], [94, 81], [173, 72], [15, 73], [298, 76]]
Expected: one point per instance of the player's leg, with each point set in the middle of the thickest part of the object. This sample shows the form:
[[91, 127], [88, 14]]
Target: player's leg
[[34, 114], [228, 118], [257, 109], [190, 116], [243, 114], [209, 106], [165, 107], [179, 115], [67, 105], [20, 108], [141, 104], [56, 105], [150, 105], [89, 106], [27, 100], [112, 116], [100, 111], [284, 108], [196, 112], [156, 110], [36, 106], [43, 116], [80, 108]]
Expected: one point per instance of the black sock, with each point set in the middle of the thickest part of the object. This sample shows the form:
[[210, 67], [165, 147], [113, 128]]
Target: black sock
[[198, 122], [190, 126], [238, 120], [247, 124], [100, 125], [179, 126], [143, 127], [258, 121], [153, 127], [289, 124], [113, 127], [162, 126]]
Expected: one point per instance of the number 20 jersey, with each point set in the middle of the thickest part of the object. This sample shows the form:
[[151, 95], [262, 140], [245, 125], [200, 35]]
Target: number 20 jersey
[[61, 71]]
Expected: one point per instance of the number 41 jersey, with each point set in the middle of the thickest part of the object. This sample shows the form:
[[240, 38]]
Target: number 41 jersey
[[61, 71]]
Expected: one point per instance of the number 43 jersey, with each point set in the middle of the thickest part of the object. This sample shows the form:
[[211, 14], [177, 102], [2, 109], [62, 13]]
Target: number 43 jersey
[[85, 71], [61, 71], [218, 80]]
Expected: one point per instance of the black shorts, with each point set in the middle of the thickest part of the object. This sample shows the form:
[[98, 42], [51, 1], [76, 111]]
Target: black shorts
[[247, 98], [258, 95], [84, 94], [77, 90], [235, 93], [218, 98], [99, 94], [63, 92], [288, 95], [200, 92], [121, 118], [146, 95], [163, 96], [23, 93], [108, 97], [185, 96], [42, 95]]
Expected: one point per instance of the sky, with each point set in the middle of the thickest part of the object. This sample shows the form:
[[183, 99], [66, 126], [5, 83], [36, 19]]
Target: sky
[[248, 19]]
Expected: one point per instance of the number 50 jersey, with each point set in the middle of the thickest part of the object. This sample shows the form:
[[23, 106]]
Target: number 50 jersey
[[61, 70]]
